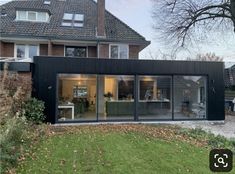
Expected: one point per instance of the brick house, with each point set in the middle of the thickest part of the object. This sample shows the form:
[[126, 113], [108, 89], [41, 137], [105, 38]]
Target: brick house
[[84, 65], [76, 28]]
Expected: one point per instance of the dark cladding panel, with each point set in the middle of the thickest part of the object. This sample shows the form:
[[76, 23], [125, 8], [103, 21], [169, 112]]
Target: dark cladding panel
[[47, 68]]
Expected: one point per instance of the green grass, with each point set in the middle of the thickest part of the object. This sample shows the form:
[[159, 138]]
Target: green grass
[[114, 152]]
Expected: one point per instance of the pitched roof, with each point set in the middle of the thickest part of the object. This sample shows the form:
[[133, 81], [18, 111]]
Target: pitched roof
[[116, 30]]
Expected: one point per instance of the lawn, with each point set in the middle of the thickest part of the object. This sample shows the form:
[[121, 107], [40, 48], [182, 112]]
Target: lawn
[[117, 149]]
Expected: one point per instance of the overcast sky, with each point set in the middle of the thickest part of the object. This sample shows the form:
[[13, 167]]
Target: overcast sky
[[137, 14]]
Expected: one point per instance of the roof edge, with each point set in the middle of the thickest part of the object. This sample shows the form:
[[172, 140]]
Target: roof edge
[[6, 36]]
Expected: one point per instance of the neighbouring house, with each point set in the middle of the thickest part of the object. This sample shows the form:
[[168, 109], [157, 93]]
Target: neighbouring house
[[84, 63], [229, 76]]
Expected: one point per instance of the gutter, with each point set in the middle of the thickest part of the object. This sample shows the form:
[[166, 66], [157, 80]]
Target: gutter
[[55, 39]]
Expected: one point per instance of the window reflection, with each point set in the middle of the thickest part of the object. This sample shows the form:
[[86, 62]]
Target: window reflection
[[190, 97], [83, 97], [75, 52], [155, 97], [116, 97], [77, 97], [20, 51]]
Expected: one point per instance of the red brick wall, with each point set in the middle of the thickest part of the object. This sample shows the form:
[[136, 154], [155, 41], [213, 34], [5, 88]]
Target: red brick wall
[[134, 51], [7, 49], [58, 50], [43, 50], [104, 50], [1, 49], [101, 18], [92, 51]]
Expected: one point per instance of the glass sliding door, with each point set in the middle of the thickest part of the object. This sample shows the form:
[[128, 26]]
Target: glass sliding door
[[190, 97], [155, 97], [83, 97], [77, 97], [116, 97]]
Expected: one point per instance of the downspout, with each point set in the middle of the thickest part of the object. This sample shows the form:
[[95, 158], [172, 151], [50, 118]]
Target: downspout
[[49, 53], [98, 49]]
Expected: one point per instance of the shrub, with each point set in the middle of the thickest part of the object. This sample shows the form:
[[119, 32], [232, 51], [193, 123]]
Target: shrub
[[14, 91], [221, 142], [16, 136], [196, 133], [33, 110], [11, 139], [212, 140]]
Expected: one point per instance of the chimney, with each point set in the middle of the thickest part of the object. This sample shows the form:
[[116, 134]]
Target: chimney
[[101, 18]]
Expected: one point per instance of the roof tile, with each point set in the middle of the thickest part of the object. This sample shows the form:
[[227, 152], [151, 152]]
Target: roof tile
[[116, 30]]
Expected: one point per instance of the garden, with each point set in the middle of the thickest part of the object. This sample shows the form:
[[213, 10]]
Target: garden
[[29, 145]]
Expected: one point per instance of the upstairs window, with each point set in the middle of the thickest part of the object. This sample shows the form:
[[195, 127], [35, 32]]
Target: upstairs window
[[32, 16], [119, 51], [26, 51], [73, 20], [21, 15], [76, 52]]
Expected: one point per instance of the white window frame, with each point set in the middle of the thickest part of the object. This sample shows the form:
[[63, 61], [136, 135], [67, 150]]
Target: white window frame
[[118, 45], [27, 16], [26, 50]]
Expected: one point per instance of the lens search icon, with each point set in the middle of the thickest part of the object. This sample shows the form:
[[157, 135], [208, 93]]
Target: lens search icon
[[221, 160]]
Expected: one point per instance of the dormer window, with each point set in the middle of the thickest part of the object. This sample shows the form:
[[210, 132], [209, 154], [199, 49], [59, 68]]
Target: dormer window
[[73, 20], [32, 16]]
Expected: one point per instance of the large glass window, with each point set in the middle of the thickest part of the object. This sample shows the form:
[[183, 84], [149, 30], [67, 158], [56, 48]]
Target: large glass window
[[83, 97], [119, 51], [155, 98], [76, 52], [190, 97], [116, 97], [77, 97]]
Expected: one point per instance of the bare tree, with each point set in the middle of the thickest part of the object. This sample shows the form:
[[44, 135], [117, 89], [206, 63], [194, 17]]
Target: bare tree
[[207, 57], [179, 20]]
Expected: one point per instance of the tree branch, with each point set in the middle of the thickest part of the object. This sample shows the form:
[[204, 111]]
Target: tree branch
[[177, 20]]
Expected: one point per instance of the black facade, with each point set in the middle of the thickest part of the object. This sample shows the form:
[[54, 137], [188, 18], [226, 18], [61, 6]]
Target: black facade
[[46, 70]]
